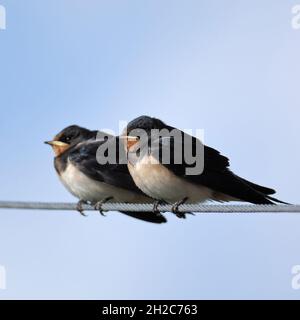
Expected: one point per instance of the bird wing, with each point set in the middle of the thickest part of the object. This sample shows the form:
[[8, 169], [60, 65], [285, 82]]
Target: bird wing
[[215, 175], [147, 216], [84, 157]]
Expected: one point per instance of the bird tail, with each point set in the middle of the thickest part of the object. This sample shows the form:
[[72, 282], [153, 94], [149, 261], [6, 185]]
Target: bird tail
[[276, 200], [257, 187], [263, 193], [236, 188]]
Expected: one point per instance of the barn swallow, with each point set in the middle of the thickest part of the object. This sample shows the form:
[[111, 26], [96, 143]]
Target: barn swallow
[[76, 164], [169, 182]]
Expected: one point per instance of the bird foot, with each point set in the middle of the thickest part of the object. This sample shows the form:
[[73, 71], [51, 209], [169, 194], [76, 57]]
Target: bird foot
[[175, 208], [99, 204], [79, 207], [155, 206]]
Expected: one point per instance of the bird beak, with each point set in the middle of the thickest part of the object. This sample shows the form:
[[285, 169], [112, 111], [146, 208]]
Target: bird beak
[[54, 143], [130, 141], [58, 146]]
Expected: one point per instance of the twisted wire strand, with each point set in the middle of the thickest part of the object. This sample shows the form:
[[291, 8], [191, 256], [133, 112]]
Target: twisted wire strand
[[148, 207]]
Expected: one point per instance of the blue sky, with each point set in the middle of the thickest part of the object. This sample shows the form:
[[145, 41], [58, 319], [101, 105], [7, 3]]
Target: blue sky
[[228, 67]]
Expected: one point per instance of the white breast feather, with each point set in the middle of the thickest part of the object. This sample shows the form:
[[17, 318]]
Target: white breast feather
[[85, 188], [160, 183]]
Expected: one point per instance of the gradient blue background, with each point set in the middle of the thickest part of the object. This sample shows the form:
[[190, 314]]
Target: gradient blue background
[[229, 67]]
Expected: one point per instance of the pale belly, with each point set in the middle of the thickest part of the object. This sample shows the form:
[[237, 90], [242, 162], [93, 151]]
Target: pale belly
[[85, 188], [160, 183]]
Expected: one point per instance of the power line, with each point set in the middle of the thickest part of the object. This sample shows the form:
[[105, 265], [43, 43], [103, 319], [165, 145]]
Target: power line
[[148, 207]]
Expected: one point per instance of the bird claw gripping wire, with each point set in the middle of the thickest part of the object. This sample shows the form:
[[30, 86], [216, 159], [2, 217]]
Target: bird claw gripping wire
[[155, 206], [99, 204], [175, 208], [79, 207]]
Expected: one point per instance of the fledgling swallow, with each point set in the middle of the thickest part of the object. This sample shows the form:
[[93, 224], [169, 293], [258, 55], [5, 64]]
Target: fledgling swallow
[[168, 182], [76, 164]]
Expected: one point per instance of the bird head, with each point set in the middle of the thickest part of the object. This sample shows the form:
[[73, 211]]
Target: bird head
[[140, 128], [70, 137]]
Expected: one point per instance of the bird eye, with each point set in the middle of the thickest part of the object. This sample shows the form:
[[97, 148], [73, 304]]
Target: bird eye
[[68, 139]]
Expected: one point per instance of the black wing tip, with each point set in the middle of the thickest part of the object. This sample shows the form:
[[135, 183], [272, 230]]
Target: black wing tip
[[151, 217], [266, 190], [257, 187]]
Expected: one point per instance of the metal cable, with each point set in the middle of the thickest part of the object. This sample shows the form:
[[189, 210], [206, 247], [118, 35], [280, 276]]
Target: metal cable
[[134, 207]]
